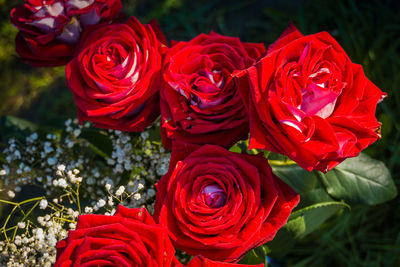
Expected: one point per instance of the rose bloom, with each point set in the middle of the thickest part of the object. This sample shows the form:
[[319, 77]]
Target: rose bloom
[[200, 261], [129, 238], [308, 101], [115, 76], [200, 103], [221, 204], [50, 29]]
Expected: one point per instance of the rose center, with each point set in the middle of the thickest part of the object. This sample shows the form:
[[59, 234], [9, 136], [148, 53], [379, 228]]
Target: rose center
[[317, 98], [207, 88], [213, 196]]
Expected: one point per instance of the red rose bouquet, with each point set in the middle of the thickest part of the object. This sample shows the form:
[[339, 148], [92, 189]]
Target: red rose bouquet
[[257, 140]]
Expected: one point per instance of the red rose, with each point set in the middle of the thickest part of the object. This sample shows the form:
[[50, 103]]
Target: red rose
[[204, 262], [308, 101], [115, 76], [129, 238], [221, 204], [200, 102], [93, 11], [50, 29]]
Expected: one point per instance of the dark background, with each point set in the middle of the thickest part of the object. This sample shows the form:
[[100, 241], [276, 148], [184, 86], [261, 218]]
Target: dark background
[[368, 30]]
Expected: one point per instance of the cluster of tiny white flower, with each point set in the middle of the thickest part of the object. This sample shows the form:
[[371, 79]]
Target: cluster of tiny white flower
[[76, 176], [33, 243], [133, 158]]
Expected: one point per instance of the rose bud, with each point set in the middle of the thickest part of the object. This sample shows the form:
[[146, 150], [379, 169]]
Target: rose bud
[[50, 29], [200, 103], [115, 75], [221, 204], [129, 238], [308, 101]]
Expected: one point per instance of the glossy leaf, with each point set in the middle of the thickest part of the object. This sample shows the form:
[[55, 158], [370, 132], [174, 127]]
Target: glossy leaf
[[360, 180], [297, 178]]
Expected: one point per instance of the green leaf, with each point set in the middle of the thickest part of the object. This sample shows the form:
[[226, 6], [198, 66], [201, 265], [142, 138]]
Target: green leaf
[[98, 141], [297, 178], [315, 207], [11, 126], [255, 256], [311, 217], [360, 180], [236, 148]]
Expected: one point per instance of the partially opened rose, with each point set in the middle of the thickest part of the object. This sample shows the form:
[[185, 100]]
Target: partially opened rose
[[200, 103], [200, 261], [115, 76], [221, 204], [308, 101], [50, 29], [129, 238]]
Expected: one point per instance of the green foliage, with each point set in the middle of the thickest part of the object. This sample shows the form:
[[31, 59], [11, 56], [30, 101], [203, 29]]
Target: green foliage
[[11, 126], [99, 142], [256, 256], [297, 178], [360, 180], [367, 30]]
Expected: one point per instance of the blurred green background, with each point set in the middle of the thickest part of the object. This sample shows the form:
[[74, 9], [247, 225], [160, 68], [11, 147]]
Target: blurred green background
[[368, 30]]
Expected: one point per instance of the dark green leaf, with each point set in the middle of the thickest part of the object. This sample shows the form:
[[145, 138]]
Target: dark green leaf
[[255, 256], [315, 207], [360, 180], [297, 178], [313, 216], [15, 127], [98, 142]]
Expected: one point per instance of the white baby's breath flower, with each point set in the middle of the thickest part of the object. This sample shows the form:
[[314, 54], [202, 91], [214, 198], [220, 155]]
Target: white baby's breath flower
[[110, 201], [151, 192], [88, 210], [51, 161], [62, 183], [108, 186], [137, 196], [18, 240], [43, 204], [77, 132], [76, 180], [34, 136], [61, 167], [21, 225], [120, 191], [11, 194], [3, 172], [101, 203], [144, 135], [140, 186], [27, 169]]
